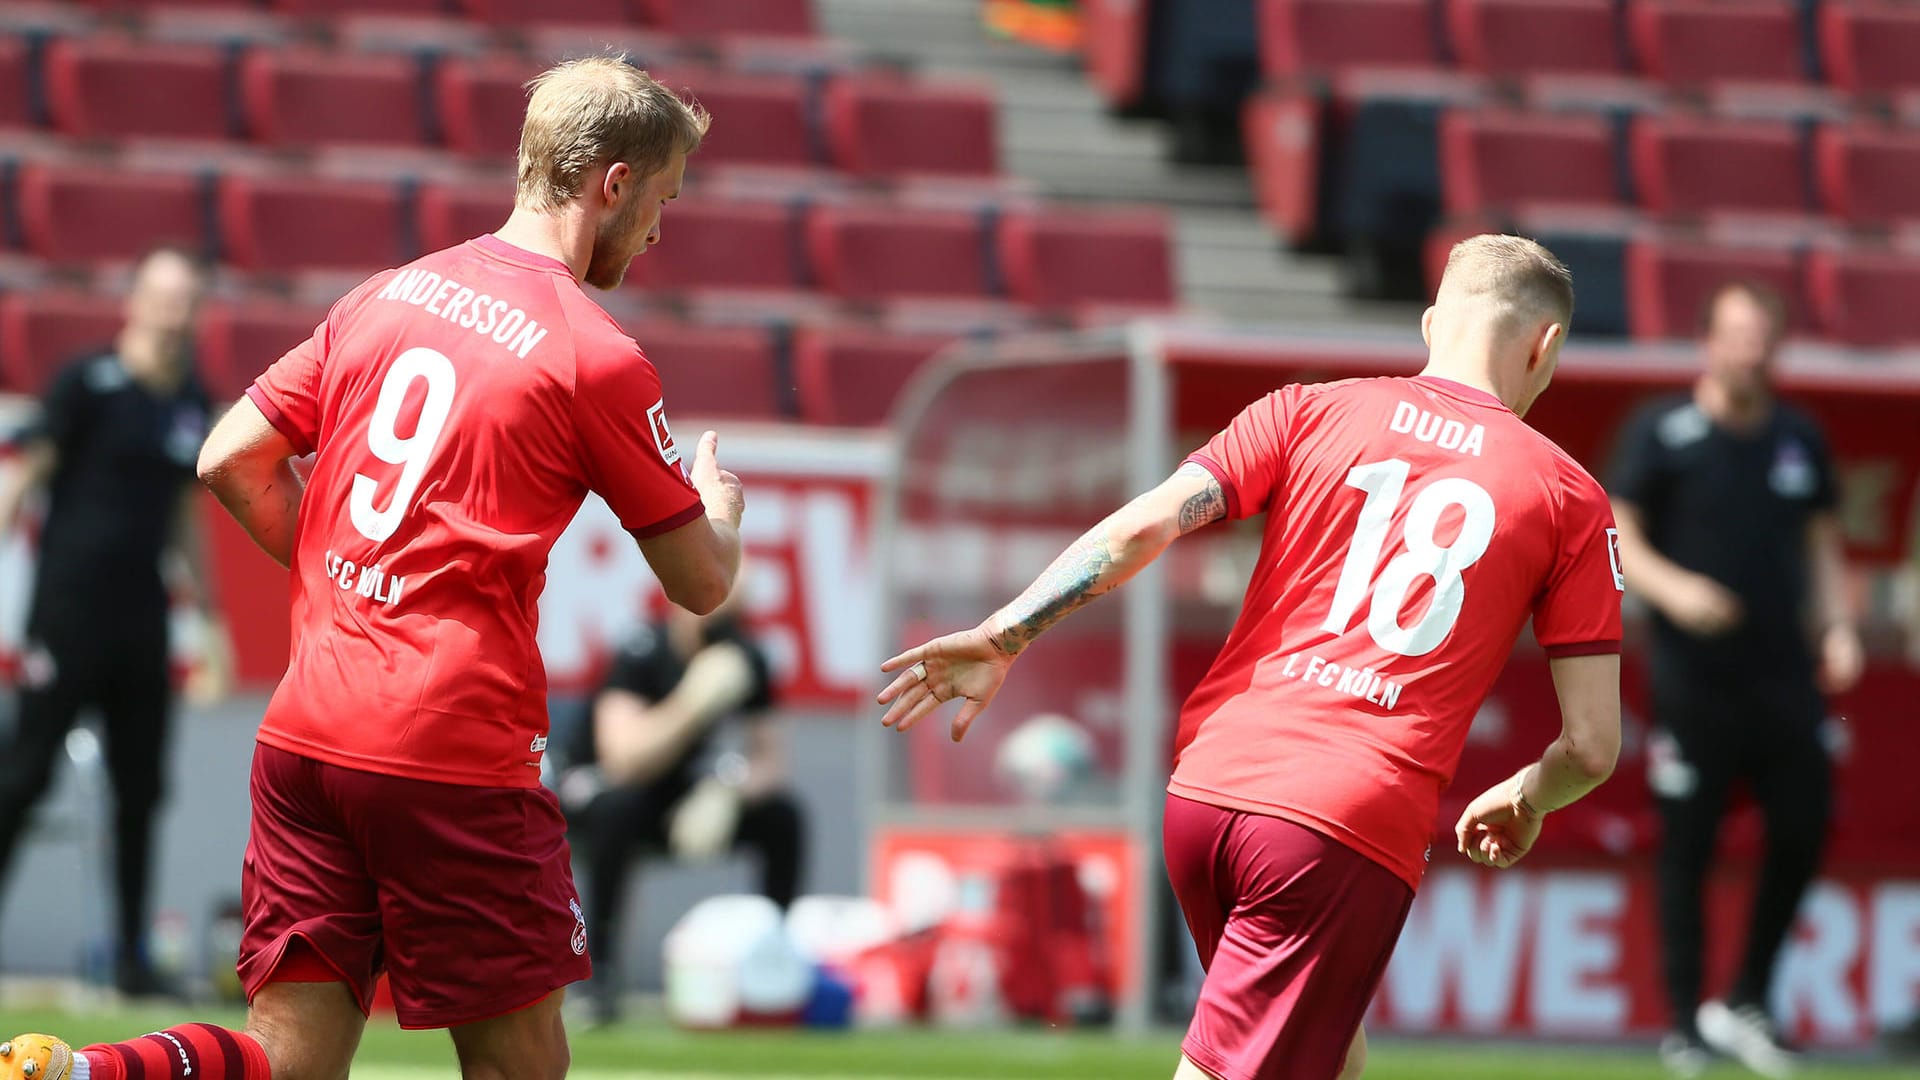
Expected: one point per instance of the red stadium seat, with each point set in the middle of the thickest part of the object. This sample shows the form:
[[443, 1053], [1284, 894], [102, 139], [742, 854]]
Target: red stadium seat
[[1494, 159], [1282, 131], [881, 126], [522, 12], [1060, 258], [330, 8], [107, 86], [1868, 172], [298, 97], [455, 213], [1115, 51], [1870, 47], [14, 83], [80, 214], [1689, 164], [286, 223], [1866, 297], [851, 376], [238, 339], [43, 330], [759, 119], [1507, 37], [722, 245], [1670, 280], [706, 18], [1298, 36], [718, 372], [870, 252], [1699, 41], [482, 101]]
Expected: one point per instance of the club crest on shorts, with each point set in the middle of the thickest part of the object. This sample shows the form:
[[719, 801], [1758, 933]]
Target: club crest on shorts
[[579, 939]]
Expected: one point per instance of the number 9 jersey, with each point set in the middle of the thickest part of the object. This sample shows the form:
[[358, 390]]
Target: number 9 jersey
[[1413, 526], [460, 408]]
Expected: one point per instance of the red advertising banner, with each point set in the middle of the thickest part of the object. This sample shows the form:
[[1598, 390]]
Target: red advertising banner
[[1572, 951], [810, 590]]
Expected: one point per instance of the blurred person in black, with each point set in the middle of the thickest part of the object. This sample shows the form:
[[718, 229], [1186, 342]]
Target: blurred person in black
[[646, 773], [1725, 503], [114, 450]]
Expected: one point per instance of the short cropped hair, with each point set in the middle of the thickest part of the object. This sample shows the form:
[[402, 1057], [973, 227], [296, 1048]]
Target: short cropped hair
[[1766, 296], [595, 111], [1514, 276]]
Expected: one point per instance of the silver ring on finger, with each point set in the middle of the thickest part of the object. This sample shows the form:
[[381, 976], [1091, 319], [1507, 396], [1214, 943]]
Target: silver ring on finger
[[919, 670]]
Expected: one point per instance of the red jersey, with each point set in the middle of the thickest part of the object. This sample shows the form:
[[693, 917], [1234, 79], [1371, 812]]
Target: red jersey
[[1413, 525], [461, 408]]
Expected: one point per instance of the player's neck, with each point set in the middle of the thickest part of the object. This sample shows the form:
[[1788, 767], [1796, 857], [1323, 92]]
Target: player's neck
[[1475, 377], [565, 235]]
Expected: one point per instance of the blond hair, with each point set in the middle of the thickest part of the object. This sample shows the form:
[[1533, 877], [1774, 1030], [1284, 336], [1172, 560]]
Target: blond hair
[[596, 111], [1512, 278]]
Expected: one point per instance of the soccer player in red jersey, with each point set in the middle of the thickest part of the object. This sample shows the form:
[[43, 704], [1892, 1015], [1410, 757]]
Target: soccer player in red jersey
[[1413, 525], [461, 408]]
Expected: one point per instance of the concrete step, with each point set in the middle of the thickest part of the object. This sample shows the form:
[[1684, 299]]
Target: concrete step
[[1056, 132]]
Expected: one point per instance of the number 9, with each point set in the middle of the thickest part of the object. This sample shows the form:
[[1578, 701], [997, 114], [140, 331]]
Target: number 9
[[412, 453]]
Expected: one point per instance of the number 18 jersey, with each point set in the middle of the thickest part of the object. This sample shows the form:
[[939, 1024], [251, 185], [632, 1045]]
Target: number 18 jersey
[[461, 407], [1413, 526]]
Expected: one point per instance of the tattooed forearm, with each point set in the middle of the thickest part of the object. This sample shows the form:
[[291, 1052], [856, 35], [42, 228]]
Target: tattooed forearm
[[1205, 506], [1075, 578]]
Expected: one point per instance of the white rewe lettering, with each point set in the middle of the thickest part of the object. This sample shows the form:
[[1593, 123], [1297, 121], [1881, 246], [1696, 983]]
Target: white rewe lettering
[[1811, 981], [1447, 434], [1576, 954]]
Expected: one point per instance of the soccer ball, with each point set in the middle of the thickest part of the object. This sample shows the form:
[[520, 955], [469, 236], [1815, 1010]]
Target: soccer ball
[[1045, 757]]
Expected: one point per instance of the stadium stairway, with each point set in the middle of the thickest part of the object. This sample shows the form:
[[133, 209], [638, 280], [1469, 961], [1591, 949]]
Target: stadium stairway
[[1055, 132]]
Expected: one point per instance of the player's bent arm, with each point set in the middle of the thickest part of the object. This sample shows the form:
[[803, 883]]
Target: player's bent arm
[[29, 474], [1583, 756], [696, 563], [1842, 656], [1109, 554], [638, 740], [247, 463]]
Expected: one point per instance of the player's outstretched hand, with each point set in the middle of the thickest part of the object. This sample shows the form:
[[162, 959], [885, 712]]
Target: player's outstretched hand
[[719, 489], [1494, 831], [965, 665]]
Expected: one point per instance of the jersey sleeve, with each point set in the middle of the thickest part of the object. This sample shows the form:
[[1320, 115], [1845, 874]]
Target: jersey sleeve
[[288, 392], [1634, 473], [1246, 456], [626, 449], [638, 667], [1578, 612], [63, 412]]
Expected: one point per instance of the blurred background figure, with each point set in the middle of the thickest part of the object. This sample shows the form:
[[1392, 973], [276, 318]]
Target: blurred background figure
[[1725, 502], [655, 772], [113, 451]]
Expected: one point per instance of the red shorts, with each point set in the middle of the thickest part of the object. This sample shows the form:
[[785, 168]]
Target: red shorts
[[462, 895], [1294, 929]]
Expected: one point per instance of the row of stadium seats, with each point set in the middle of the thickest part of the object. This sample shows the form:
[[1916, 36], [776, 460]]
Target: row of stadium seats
[[831, 373], [1862, 46], [1638, 278], [871, 122], [1446, 142], [680, 16], [1678, 163], [287, 222]]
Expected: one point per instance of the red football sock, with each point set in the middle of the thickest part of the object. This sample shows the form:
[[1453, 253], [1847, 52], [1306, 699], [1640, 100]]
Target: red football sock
[[187, 1052]]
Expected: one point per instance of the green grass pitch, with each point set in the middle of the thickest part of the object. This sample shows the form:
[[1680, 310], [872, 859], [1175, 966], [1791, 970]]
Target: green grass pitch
[[652, 1052]]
